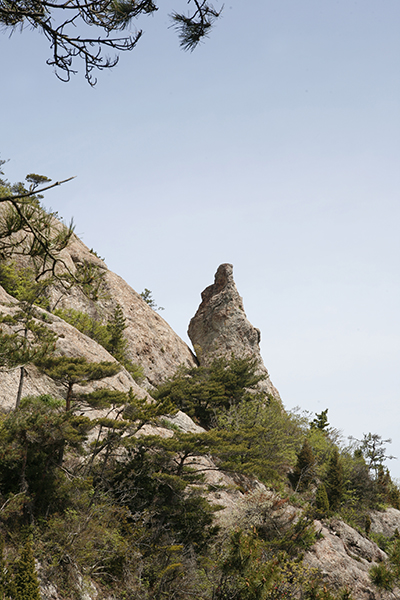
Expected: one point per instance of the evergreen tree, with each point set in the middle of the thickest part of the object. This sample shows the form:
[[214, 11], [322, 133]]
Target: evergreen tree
[[374, 451], [116, 343], [71, 371], [26, 229], [32, 439], [321, 421], [26, 584], [321, 502], [28, 341], [335, 480], [203, 392], [67, 33], [147, 296], [304, 471]]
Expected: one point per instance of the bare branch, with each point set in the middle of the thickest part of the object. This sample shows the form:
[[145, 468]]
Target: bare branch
[[33, 192]]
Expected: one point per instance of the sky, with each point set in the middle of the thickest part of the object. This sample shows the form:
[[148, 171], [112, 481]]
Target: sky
[[274, 146]]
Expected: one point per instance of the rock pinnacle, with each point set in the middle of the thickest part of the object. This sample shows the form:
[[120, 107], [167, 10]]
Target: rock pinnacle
[[220, 326]]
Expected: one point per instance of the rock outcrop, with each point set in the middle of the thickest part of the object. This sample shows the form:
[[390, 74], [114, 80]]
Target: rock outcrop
[[152, 343], [71, 343], [344, 558], [220, 326]]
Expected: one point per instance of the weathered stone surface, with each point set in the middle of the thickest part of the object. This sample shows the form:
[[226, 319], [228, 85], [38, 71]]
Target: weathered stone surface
[[184, 423], [385, 522], [152, 343], [220, 326], [344, 558], [72, 343]]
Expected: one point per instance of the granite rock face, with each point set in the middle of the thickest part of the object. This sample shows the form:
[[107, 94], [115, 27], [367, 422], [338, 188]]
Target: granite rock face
[[344, 559], [71, 343], [220, 326], [152, 343], [386, 522]]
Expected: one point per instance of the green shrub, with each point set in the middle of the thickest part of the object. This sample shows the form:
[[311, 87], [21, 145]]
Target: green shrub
[[110, 335], [321, 502], [26, 584], [205, 392], [85, 324], [381, 576], [304, 471], [20, 283]]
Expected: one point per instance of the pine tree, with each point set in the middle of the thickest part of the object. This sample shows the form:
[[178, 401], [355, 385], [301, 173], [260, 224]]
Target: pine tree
[[76, 371], [321, 502], [321, 421], [304, 470], [117, 343], [26, 584], [29, 339], [334, 480]]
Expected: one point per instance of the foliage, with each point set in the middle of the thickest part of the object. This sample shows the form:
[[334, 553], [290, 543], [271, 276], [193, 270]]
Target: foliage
[[85, 324], [321, 446], [388, 492], [110, 335], [157, 485], [65, 26], [26, 583], [204, 392], [131, 512], [381, 576], [116, 343], [321, 502], [71, 371], [255, 568], [6, 588], [89, 277], [304, 471], [334, 480], [147, 296], [256, 438], [321, 421], [20, 282], [91, 534], [373, 449], [28, 341], [26, 229], [31, 440]]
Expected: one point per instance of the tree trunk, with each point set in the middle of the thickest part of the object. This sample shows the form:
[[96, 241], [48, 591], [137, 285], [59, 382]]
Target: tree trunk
[[69, 396], [20, 386]]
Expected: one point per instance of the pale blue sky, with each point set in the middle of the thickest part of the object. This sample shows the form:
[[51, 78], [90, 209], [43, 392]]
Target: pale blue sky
[[274, 146]]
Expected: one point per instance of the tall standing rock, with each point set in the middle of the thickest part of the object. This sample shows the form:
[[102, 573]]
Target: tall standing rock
[[220, 326]]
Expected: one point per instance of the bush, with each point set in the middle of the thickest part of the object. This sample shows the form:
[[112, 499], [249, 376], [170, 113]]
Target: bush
[[26, 584], [20, 283], [321, 502], [205, 392], [381, 576], [110, 335]]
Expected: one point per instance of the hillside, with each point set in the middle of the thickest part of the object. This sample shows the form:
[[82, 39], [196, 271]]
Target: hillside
[[172, 475]]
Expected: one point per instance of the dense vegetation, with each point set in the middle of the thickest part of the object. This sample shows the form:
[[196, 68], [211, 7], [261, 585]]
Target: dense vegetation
[[132, 513]]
